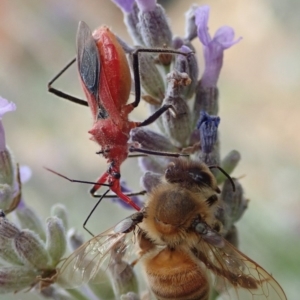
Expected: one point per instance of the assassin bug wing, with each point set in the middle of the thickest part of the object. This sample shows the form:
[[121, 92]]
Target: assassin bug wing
[[237, 276], [88, 61], [86, 262]]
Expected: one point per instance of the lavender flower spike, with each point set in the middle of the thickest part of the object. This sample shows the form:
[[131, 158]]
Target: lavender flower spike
[[153, 24], [131, 20], [213, 47], [5, 107]]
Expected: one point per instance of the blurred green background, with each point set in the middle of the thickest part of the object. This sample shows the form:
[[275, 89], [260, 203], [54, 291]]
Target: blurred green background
[[259, 109]]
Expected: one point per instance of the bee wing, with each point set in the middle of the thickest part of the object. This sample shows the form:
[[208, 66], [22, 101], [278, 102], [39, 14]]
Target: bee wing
[[86, 262], [237, 276]]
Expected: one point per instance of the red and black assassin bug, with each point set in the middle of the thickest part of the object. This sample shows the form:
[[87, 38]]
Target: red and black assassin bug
[[105, 77]]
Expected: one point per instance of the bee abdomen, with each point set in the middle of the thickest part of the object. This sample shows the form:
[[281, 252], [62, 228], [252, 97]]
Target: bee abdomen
[[173, 275]]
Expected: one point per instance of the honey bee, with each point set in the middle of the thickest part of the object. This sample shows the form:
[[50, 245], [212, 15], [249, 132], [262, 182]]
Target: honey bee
[[181, 247]]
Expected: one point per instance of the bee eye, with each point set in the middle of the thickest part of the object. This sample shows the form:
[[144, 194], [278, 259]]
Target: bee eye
[[217, 227], [200, 177], [201, 228], [212, 200]]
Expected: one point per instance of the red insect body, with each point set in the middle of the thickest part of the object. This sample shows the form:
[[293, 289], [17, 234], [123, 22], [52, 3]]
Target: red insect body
[[114, 80], [107, 100], [106, 80]]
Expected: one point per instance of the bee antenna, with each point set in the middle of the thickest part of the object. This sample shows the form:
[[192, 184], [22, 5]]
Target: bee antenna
[[226, 174]]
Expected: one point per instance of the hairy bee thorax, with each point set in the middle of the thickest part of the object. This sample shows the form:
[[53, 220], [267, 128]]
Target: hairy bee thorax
[[171, 209]]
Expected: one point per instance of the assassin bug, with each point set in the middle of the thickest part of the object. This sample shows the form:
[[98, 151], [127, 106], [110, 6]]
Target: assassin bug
[[106, 81]]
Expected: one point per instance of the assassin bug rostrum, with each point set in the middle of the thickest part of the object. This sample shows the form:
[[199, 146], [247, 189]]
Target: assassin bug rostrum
[[106, 81]]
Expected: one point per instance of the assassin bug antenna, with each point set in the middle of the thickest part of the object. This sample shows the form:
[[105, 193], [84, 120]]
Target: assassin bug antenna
[[76, 180], [225, 173], [96, 183]]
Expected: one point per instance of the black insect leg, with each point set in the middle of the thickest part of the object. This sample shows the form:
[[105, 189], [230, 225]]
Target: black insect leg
[[62, 94]]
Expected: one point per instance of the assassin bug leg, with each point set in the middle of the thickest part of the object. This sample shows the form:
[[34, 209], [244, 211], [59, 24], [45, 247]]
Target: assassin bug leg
[[156, 115], [92, 211], [136, 155], [141, 193], [136, 71], [62, 94], [153, 152], [129, 156], [114, 187]]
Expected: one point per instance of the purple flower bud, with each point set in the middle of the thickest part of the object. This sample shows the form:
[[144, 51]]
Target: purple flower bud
[[131, 21], [213, 47], [150, 180], [190, 26], [153, 164], [151, 140], [135, 199], [153, 25], [146, 5], [125, 5], [5, 107], [177, 42], [208, 128], [187, 64]]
